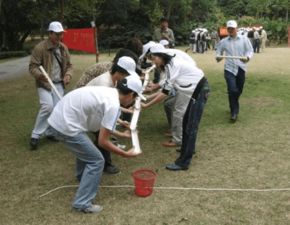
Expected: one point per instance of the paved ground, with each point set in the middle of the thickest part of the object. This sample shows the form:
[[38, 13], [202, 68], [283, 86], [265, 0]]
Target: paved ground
[[14, 68]]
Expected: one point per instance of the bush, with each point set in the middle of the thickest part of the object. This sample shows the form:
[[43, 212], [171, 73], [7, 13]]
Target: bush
[[277, 30], [9, 54]]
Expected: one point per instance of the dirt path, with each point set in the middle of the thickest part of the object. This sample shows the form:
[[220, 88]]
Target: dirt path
[[14, 68]]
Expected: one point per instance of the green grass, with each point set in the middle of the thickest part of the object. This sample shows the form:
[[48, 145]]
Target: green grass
[[253, 153]]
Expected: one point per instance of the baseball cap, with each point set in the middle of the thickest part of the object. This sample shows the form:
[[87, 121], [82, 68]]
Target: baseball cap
[[56, 27], [159, 48], [232, 24], [128, 64], [146, 48], [134, 83], [164, 42]]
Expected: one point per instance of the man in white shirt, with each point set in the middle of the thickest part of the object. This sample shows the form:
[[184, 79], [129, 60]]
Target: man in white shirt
[[235, 69], [92, 109], [119, 70]]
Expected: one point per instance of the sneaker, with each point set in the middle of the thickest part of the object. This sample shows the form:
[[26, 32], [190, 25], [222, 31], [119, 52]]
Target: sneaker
[[92, 209], [175, 167], [33, 143], [111, 169]]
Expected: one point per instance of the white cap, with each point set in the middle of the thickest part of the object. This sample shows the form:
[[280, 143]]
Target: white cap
[[232, 24], [134, 83], [55, 27], [164, 42], [128, 64], [157, 48], [146, 47]]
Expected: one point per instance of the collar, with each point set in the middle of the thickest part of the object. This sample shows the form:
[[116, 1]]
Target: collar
[[235, 38], [50, 46]]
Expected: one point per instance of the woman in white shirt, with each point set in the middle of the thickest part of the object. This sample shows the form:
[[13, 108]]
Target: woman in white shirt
[[191, 95]]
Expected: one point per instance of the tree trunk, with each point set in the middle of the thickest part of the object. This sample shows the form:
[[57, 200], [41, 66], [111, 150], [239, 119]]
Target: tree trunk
[[287, 15]]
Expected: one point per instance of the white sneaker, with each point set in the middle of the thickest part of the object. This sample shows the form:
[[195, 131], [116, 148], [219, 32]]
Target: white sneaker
[[92, 209]]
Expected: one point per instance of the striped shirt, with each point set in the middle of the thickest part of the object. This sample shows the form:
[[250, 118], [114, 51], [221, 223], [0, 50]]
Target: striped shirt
[[238, 46]]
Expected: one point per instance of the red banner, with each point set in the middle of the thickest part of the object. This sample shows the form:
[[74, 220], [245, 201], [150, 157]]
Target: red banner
[[80, 39]]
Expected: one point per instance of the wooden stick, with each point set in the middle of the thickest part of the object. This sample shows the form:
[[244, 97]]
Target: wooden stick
[[50, 82], [136, 113], [135, 142], [232, 57], [147, 77]]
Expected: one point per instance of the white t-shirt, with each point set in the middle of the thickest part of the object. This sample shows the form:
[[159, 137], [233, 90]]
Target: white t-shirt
[[86, 109], [182, 75], [104, 79], [181, 54]]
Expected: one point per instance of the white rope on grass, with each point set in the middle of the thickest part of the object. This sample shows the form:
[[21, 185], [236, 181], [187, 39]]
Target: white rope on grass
[[180, 188]]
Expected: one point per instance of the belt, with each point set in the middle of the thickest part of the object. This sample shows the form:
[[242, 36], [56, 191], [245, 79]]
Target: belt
[[57, 82], [198, 88]]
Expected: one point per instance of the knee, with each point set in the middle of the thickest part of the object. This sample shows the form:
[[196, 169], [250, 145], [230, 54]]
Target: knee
[[46, 107]]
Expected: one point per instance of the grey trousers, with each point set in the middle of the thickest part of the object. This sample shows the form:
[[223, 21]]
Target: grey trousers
[[180, 104]]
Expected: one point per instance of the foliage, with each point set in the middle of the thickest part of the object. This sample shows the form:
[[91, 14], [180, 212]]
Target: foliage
[[120, 19], [276, 29]]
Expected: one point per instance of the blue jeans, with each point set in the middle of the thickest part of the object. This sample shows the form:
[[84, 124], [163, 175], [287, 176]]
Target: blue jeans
[[89, 167], [190, 124], [235, 86]]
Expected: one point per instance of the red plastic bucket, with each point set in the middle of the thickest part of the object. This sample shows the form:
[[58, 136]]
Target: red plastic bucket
[[144, 180]]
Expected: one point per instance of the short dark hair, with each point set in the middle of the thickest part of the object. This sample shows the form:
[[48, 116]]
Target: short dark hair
[[123, 88], [135, 45], [163, 19], [125, 52]]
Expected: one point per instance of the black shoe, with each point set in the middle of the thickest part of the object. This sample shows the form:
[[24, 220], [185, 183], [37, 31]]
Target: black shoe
[[33, 143], [52, 138], [175, 167], [111, 169], [234, 118]]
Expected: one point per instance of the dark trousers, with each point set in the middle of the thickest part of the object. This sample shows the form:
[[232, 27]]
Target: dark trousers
[[235, 86], [106, 154], [190, 124], [256, 45], [156, 78]]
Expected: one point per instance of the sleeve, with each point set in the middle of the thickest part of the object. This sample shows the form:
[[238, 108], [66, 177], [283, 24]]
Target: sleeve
[[249, 52], [219, 48], [35, 62], [172, 39], [173, 70], [68, 66], [110, 118]]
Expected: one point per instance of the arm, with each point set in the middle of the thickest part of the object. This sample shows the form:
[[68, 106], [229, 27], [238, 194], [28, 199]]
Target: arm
[[105, 143], [219, 52], [124, 134], [35, 62], [126, 110], [69, 70], [158, 98], [249, 51]]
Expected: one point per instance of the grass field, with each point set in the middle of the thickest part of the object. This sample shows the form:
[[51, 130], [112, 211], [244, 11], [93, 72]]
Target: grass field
[[252, 153]]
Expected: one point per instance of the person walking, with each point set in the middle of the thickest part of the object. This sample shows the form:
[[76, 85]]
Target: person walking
[[191, 96], [54, 56], [264, 39], [164, 33], [92, 109], [256, 41], [235, 69]]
